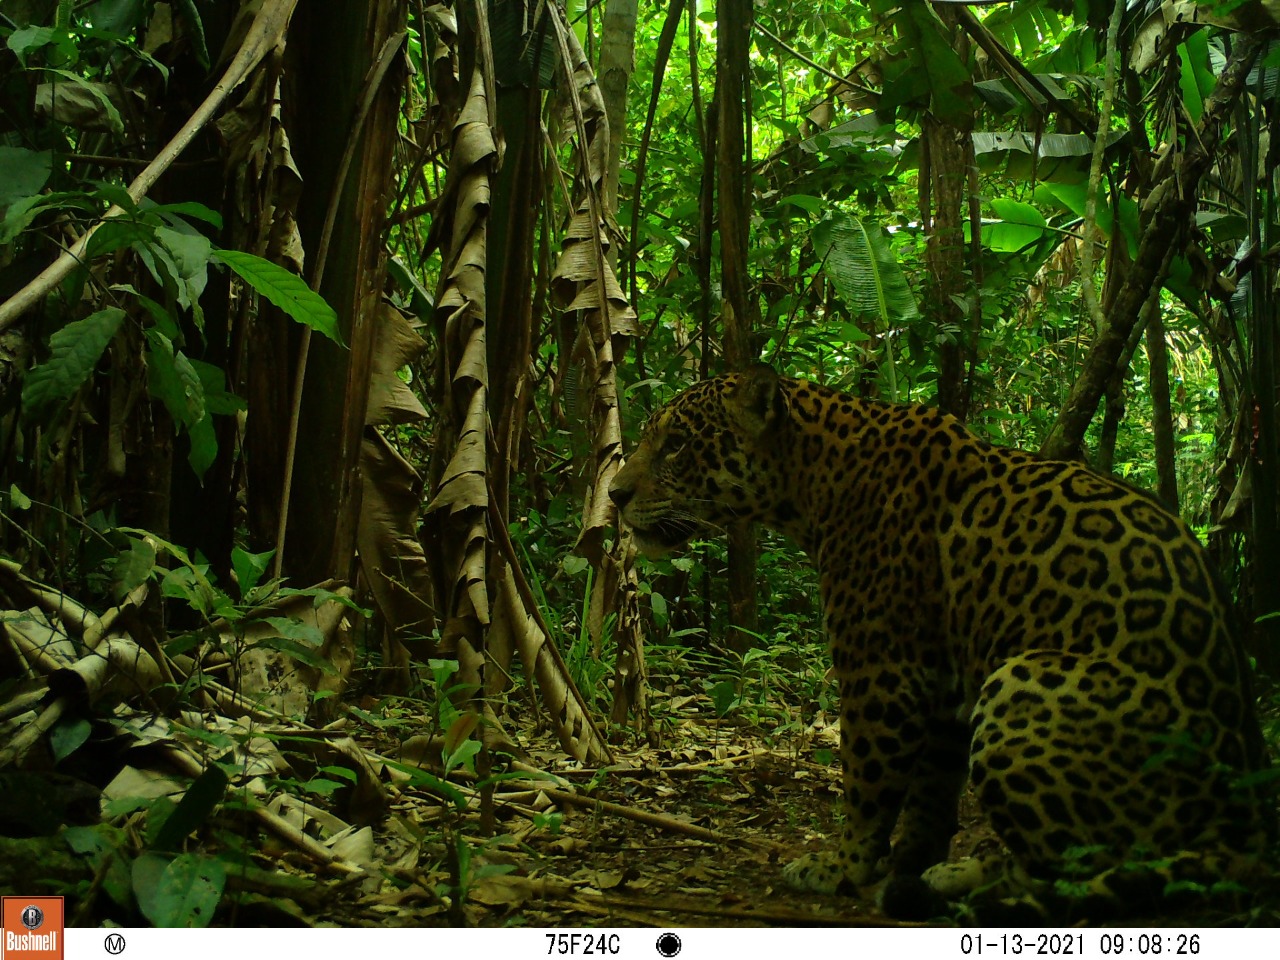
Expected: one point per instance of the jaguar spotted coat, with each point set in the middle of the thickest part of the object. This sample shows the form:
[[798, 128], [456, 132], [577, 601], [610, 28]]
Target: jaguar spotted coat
[[1050, 633]]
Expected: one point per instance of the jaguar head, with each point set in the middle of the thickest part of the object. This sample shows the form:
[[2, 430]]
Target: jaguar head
[[711, 456]]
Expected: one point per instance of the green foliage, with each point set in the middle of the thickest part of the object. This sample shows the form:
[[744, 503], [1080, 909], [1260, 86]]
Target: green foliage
[[74, 353], [284, 289]]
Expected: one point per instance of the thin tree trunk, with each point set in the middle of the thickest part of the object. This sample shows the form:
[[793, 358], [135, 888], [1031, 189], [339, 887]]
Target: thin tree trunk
[[733, 19], [1265, 460], [1162, 411], [942, 212], [1165, 215], [617, 61]]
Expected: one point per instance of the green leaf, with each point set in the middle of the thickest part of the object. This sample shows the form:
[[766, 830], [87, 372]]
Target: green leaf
[[173, 381], [804, 202], [105, 846], [23, 173], [191, 18], [249, 567], [179, 892], [724, 695], [195, 807], [117, 233], [322, 787], [463, 756], [1020, 226], [927, 45], [216, 397], [188, 209], [864, 270], [68, 735], [115, 16], [163, 319], [74, 353], [22, 211], [191, 583], [296, 630], [284, 289], [179, 261], [132, 567], [17, 499], [24, 40]]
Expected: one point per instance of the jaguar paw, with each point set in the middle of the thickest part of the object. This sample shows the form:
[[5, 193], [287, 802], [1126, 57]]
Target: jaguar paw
[[819, 873]]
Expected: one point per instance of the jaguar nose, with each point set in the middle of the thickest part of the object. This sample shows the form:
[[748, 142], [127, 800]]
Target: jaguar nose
[[620, 495]]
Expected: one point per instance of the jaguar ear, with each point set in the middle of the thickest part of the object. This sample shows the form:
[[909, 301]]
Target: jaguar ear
[[756, 404]]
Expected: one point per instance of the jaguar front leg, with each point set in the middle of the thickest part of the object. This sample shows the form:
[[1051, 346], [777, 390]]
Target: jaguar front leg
[[880, 739]]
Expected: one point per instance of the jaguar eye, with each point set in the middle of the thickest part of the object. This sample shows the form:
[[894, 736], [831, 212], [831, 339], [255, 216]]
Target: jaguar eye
[[673, 446]]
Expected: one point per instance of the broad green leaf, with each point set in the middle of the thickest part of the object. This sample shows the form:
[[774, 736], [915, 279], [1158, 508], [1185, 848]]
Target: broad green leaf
[[180, 892], [249, 567], [26, 39], [68, 735], [1015, 211], [724, 695], [191, 583], [1196, 80], [805, 203], [195, 807], [119, 17], [110, 192], [322, 787], [172, 380], [284, 289], [25, 209], [1020, 226], [117, 233], [204, 446], [23, 173], [216, 397], [864, 270], [191, 19], [295, 630], [463, 756], [17, 499], [103, 846], [925, 42], [188, 209], [74, 352], [178, 259], [132, 567], [163, 319]]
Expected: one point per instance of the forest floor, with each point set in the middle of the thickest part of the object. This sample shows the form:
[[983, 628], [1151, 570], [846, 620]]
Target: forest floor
[[691, 832]]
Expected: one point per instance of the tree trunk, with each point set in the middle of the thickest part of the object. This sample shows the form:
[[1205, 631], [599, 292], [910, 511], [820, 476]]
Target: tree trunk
[[942, 213], [1162, 411], [617, 60], [1265, 459], [733, 19], [333, 46], [1165, 214], [513, 219]]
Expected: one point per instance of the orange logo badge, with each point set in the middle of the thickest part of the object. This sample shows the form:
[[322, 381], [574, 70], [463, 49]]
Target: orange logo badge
[[33, 928]]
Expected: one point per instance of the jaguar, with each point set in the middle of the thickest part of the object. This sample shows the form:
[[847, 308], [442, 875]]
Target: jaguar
[[1050, 635]]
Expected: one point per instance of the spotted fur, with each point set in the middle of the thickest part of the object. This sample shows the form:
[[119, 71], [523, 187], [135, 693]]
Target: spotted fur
[[1050, 633]]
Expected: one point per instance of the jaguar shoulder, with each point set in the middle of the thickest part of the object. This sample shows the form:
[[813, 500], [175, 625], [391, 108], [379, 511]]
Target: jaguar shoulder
[[1048, 633]]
